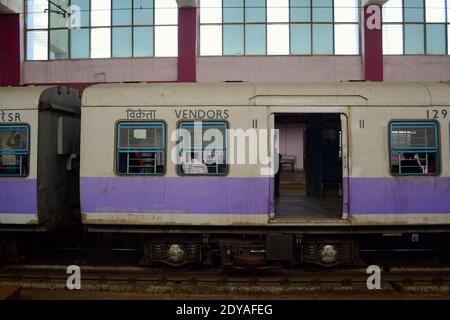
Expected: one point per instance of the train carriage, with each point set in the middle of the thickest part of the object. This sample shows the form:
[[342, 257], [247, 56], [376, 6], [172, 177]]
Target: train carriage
[[39, 139], [372, 156]]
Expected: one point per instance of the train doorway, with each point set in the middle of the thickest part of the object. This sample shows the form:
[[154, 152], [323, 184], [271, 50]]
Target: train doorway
[[309, 182]]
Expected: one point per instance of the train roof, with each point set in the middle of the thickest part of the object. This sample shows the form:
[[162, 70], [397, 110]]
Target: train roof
[[253, 94], [31, 97]]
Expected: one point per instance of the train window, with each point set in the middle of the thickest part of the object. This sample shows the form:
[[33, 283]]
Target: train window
[[140, 148], [202, 147], [414, 148], [14, 150]]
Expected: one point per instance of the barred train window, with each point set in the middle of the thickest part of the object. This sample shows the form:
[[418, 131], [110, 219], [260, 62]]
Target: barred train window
[[414, 148], [14, 150], [204, 157], [140, 148]]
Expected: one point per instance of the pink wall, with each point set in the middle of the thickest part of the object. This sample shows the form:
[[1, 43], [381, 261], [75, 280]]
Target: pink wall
[[372, 49], [291, 141], [9, 49], [100, 70], [279, 68], [416, 68]]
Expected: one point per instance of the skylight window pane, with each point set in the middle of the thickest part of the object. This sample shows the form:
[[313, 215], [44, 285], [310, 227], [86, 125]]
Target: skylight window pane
[[435, 10], [392, 39], [278, 39], [121, 42], [414, 39], [233, 11], [101, 13], [101, 43], [393, 11], [346, 10], [301, 39], [59, 44], [346, 39], [323, 39], [36, 17], [414, 11], [322, 10], [435, 38], [211, 40], [277, 10], [166, 41], [255, 11], [166, 12], [82, 8], [211, 11], [233, 39], [79, 43], [121, 12], [143, 12], [255, 39], [143, 42], [37, 42], [300, 10]]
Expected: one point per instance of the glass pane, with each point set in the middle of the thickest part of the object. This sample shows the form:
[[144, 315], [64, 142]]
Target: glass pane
[[322, 39], [277, 39], [414, 11], [143, 42], [346, 39], [435, 10], [255, 11], [139, 136], [121, 42], [79, 43], [300, 10], [166, 12], [211, 11], [37, 42], [301, 39], [322, 10], [13, 138], [101, 13], [435, 38], [414, 39], [101, 43], [277, 10], [233, 10], [211, 40], [143, 12], [58, 17], [80, 10], [393, 11], [255, 39], [418, 136], [166, 41], [393, 39], [59, 44], [233, 39], [346, 10], [36, 17], [121, 12]]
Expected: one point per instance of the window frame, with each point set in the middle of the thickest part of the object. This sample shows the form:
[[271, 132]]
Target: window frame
[[438, 146], [227, 170], [28, 136], [116, 148]]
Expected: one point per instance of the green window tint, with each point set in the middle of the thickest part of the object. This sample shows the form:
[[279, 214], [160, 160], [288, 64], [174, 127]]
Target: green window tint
[[14, 150], [143, 12], [121, 12], [300, 10], [233, 11], [255, 39], [414, 39], [79, 44], [83, 12], [322, 10], [233, 39], [322, 39], [143, 42], [59, 44], [121, 42], [255, 10], [436, 38], [58, 20], [414, 11], [301, 39]]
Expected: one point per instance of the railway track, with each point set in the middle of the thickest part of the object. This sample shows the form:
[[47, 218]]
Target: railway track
[[285, 283]]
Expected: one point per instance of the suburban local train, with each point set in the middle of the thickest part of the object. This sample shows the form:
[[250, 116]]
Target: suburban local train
[[198, 171]]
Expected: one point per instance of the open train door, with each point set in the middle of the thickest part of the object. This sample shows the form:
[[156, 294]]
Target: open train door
[[345, 167]]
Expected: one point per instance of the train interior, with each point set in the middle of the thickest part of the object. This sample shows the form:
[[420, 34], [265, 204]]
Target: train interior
[[308, 185]]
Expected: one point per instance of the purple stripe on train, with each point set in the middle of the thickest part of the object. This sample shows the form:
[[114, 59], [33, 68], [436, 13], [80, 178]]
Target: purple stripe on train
[[252, 195], [175, 195], [400, 195], [18, 195]]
